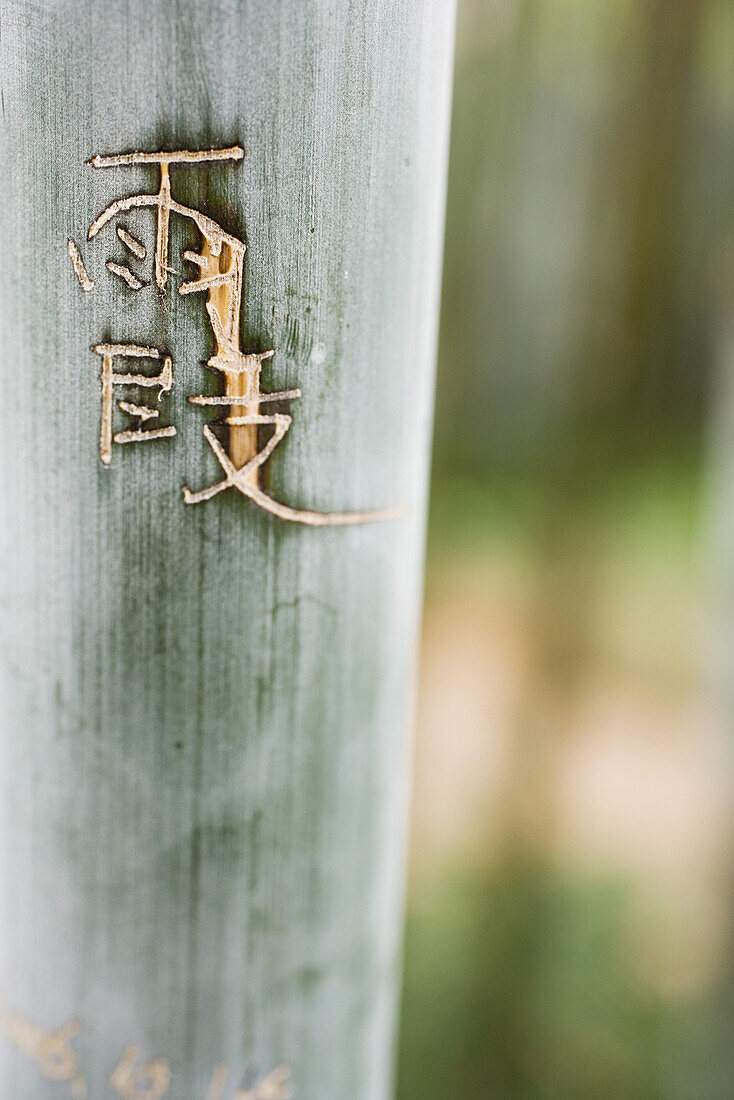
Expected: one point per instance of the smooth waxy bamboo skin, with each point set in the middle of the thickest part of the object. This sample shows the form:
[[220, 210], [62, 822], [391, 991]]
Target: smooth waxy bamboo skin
[[205, 709]]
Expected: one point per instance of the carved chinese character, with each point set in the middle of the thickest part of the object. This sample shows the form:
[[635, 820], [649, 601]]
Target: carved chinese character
[[142, 413], [220, 268]]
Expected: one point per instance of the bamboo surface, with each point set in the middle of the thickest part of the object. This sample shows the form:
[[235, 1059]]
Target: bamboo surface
[[205, 710]]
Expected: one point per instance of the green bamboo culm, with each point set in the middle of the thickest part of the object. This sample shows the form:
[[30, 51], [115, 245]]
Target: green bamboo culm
[[205, 707]]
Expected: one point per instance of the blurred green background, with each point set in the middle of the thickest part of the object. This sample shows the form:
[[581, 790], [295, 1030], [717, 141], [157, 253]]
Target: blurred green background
[[568, 912]]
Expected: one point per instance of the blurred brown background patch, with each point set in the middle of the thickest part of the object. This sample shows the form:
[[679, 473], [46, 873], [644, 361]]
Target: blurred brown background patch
[[569, 924]]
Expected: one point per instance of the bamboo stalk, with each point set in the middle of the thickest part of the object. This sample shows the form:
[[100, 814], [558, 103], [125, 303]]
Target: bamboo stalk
[[203, 734]]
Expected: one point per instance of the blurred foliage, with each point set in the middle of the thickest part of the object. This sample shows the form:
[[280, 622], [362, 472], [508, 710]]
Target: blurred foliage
[[591, 171], [523, 980], [589, 222], [519, 979]]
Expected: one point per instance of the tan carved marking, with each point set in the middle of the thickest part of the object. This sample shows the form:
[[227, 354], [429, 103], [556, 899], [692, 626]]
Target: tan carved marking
[[282, 395], [163, 199], [50, 1050], [238, 479], [194, 258], [276, 1086], [161, 237], [204, 284], [218, 1083], [110, 378], [181, 156], [131, 351], [81, 272], [143, 411], [125, 273], [220, 263], [140, 436], [150, 1081], [136, 247]]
